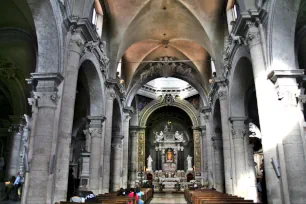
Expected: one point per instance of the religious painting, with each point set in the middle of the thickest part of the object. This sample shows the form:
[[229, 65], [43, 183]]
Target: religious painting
[[142, 102], [169, 155]]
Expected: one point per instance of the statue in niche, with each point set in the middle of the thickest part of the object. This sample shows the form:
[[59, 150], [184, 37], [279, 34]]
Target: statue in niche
[[25, 141], [149, 163], [178, 136], [159, 137], [189, 163]]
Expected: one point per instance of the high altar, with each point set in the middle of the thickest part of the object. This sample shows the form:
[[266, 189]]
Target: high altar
[[169, 146]]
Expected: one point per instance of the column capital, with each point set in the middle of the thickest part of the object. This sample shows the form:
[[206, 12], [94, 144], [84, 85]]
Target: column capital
[[286, 86], [129, 109], [239, 127], [116, 86], [95, 132], [133, 133], [44, 89], [222, 94], [110, 93], [96, 121], [206, 110], [220, 81], [234, 119], [203, 130], [76, 44], [127, 117]]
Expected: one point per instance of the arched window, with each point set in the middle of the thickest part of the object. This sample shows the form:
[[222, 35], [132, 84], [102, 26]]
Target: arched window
[[213, 67], [119, 69], [236, 10], [94, 17], [97, 17]]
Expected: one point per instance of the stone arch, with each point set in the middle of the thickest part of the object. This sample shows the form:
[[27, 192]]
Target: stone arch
[[97, 81], [193, 78], [67, 115], [49, 38], [241, 79], [282, 16], [177, 102]]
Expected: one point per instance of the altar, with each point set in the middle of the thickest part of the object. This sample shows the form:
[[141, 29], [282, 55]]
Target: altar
[[169, 159]]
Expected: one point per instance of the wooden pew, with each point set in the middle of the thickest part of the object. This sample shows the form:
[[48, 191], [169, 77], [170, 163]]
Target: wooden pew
[[203, 196], [112, 198]]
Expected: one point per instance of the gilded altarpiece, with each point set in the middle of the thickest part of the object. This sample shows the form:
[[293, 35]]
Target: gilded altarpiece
[[141, 151], [197, 150]]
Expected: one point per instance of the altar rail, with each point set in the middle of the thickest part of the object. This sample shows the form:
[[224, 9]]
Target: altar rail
[[203, 196]]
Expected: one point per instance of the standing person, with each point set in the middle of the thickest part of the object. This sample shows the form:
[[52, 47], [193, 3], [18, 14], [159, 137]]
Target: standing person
[[20, 184], [9, 186], [14, 192]]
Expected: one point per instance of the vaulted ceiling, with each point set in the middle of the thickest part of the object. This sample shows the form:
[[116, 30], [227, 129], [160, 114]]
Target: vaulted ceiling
[[144, 30]]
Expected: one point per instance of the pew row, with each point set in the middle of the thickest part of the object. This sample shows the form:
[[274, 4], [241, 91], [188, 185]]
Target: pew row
[[112, 198], [203, 196]]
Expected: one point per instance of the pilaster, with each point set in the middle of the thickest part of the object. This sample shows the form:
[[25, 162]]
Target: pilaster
[[128, 111], [44, 100], [218, 173], [239, 131], [222, 91], [95, 131], [110, 96], [117, 171], [208, 149], [134, 157]]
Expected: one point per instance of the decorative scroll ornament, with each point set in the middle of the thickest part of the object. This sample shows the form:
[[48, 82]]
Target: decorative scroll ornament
[[169, 99], [166, 67], [98, 49]]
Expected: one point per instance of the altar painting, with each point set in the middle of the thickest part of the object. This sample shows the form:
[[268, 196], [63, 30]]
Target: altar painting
[[169, 156]]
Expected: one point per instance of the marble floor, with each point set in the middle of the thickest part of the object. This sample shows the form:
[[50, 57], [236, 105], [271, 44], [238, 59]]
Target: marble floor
[[167, 198]]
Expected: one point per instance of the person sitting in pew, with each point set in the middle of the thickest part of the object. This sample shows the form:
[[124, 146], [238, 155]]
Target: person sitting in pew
[[132, 194], [91, 198], [77, 198], [121, 192], [140, 194]]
